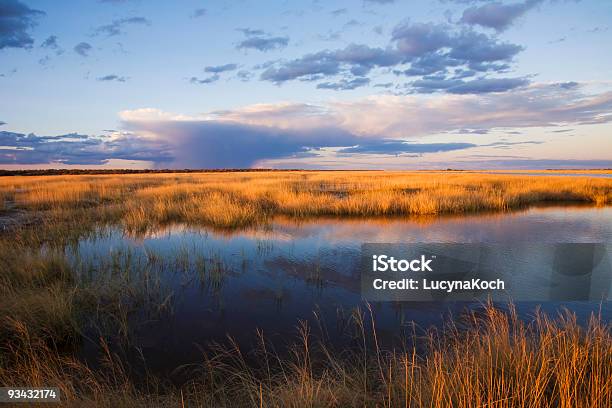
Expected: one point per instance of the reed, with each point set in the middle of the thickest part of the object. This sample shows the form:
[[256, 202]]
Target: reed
[[48, 294], [231, 200], [494, 359]]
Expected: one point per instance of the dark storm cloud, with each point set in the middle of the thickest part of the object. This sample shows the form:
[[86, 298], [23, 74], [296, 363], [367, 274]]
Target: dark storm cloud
[[18, 148], [16, 19], [221, 143], [216, 144], [344, 84], [83, 49], [395, 147], [263, 43], [117, 26], [220, 68], [112, 77], [497, 15]]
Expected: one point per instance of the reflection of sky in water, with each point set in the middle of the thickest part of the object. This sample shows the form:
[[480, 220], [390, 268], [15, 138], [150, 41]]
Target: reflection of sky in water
[[276, 275]]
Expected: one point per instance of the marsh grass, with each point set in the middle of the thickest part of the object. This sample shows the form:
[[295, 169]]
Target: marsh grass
[[493, 359], [231, 200], [52, 300]]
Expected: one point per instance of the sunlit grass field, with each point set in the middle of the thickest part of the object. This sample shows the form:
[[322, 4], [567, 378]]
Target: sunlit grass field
[[230, 200], [491, 359]]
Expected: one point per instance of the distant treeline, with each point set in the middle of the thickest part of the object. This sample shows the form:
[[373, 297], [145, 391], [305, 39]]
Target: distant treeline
[[64, 172]]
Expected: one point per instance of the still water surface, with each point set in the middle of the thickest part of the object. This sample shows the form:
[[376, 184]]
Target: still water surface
[[269, 277]]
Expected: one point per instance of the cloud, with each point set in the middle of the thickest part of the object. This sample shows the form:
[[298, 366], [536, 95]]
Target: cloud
[[221, 143], [464, 47], [473, 131], [112, 77], [476, 86], [415, 49], [50, 42], [220, 68], [18, 148], [321, 63], [373, 125], [529, 164], [558, 40], [209, 80], [344, 84], [339, 12], [396, 147], [380, 1], [263, 43], [199, 12], [350, 130], [413, 115], [568, 85], [83, 49], [385, 85], [244, 75], [355, 58], [251, 31], [16, 19], [505, 144], [497, 15], [2, 123], [116, 27]]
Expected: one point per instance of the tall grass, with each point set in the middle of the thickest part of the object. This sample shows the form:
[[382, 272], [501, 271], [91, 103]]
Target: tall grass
[[493, 360], [231, 200], [47, 297]]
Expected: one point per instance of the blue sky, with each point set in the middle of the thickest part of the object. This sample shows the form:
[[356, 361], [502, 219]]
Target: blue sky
[[310, 84]]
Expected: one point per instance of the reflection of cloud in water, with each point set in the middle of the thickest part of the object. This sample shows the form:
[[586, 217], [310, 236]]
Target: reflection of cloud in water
[[538, 224], [558, 224]]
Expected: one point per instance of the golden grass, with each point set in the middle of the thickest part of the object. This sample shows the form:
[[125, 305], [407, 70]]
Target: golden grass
[[237, 199], [497, 361]]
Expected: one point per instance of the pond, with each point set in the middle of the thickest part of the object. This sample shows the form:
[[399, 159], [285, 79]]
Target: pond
[[268, 278]]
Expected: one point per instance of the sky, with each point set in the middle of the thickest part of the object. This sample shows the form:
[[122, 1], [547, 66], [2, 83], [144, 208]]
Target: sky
[[361, 84]]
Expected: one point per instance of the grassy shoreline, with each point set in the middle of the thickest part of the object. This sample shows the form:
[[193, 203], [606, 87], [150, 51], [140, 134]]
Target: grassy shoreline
[[46, 299], [230, 200]]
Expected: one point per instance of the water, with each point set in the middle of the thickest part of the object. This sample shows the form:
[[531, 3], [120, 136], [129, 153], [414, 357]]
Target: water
[[269, 277], [554, 174]]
